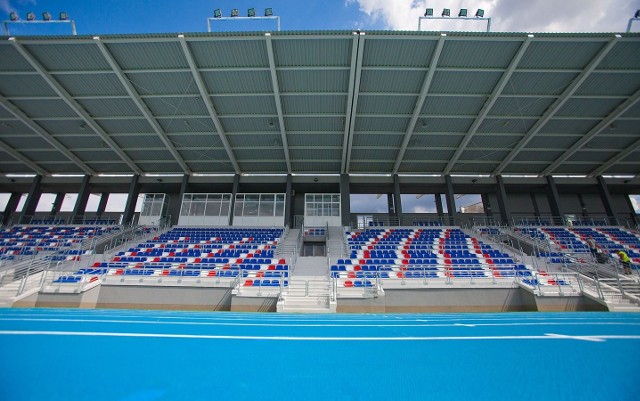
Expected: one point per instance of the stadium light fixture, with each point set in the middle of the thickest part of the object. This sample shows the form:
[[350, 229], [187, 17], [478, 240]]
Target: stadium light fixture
[[268, 12], [428, 12], [251, 12], [46, 16], [446, 12], [480, 13], [64, 16], [636, 17], [31, 16], [463, 12], [235, 12], [217, 13], [13, 16]]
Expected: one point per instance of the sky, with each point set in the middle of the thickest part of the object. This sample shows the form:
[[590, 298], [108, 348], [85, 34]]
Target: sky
[[170, 16]]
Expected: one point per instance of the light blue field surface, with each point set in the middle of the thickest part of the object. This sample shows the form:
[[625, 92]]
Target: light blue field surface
[[127, 355]]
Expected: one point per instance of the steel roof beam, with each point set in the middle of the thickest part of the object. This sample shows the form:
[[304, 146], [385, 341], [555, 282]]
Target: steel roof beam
[[20, 115], [213, 114], [557, 105], [497, 91], [276, 95], [634, 147], [602, 125], [74, 105], [420, 102], [135, 97], [355, 71]]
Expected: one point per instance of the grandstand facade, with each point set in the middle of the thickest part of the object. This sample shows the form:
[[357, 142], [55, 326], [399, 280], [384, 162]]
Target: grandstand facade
[[248, 149]]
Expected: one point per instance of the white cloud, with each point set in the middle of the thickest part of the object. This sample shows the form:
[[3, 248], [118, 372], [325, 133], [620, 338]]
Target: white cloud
[[506, 15]]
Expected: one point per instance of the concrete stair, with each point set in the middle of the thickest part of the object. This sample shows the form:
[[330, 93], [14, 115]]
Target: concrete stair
[[308, 295]]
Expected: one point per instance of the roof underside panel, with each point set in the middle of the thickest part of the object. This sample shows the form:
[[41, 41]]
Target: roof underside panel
[[325, 98], [313, 81], [477, 54], [392, 81], [230, 53], [387, 53], [30, 85], [176, 106], [560, 55], [334, 52], [148, 55], [43, 108], [69, 57], [91, 84], [237, 81], [11, 60]]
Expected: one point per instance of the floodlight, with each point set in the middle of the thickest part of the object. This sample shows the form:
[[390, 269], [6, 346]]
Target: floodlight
[[64, 16], [251, 12], [31, 16], [13, 16], [217, 13], [480, 13], [446, 12], [637, 14], [428, 12], [268, 12], [46, 16], [235, 12], [463, 12]]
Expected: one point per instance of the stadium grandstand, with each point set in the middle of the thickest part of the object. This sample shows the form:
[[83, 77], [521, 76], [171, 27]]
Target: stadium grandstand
[[240, 158]]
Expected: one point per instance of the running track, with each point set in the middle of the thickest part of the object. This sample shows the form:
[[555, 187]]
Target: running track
[[130, 355]]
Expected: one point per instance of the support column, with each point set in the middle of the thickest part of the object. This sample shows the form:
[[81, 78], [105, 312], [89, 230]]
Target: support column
[[345, 200], [505, 214], [288, 202], [10, 209], [32, 199], [554, 201], [234, 191], [439, 208], [104, 198], [57, 204], [81, 200], [391, 210], [488, 209], [175, 207], [132, 198], [397, 201], [451, 203], [607, 202]]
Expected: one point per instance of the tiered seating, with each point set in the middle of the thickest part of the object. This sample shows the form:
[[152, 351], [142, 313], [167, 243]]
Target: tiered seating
[[29, 240], [421, 253], [203, 252], [574, 240]]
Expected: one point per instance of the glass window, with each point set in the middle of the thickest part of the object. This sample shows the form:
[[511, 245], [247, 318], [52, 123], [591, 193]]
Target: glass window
[[116, 203], [418, 203], [69, 202], [635, 202], [213, 205], [267, 205], [225, 205], [279, 206], [93, 202], [469, 203], [45, 203], [251, 202], [369, 203]]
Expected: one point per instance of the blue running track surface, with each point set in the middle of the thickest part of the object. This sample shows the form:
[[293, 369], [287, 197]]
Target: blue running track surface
[[130, 355]]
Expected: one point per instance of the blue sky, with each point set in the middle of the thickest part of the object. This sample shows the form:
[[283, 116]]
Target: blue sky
[[163, 16]]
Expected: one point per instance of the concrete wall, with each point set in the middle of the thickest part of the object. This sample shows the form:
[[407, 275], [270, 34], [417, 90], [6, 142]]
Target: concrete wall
[[175, 298], [458, 300]]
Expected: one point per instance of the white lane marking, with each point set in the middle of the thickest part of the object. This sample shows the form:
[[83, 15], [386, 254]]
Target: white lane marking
[[302, 324], [550, 336], [583, 338]]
